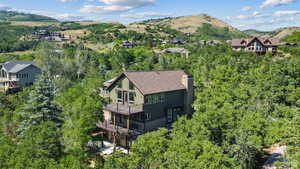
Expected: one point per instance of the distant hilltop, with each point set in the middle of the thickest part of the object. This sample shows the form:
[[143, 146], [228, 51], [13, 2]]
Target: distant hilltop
[[185, 24], [24, 17]]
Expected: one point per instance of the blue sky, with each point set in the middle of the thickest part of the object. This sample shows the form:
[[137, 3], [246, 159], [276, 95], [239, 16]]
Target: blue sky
[[243, 14]]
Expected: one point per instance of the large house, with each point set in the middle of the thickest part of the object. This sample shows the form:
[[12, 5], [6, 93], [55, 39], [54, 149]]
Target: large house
[[144, 101], [258, 45], [49, 36], [17, 74], [182, 51]]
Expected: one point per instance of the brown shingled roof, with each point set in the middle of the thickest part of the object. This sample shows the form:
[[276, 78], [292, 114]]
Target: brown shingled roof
[[151, 82], [264, 41]]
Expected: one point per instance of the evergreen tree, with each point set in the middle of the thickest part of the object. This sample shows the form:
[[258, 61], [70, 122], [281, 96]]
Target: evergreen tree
[[40, 106]]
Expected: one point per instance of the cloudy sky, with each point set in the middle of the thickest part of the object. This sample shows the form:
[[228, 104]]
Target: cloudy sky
[[243, 14]]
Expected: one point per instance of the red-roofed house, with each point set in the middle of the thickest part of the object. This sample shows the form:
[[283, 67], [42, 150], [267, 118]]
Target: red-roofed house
[[258, 45]]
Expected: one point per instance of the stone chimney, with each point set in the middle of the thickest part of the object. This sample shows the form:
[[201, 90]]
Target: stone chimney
[[188, 82]]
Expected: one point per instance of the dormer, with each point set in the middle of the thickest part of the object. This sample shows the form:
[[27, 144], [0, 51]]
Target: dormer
[[243, 42], [267, 42]]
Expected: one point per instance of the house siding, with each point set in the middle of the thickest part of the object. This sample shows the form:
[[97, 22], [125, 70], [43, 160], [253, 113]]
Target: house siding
[[29, 76], [138, 98], [32, 72]]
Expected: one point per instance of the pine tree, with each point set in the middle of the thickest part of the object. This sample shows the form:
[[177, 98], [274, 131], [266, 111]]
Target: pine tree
[[40, 106]]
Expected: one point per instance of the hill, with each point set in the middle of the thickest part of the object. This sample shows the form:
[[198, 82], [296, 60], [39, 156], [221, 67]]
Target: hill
[[284, 32], [280, 33], [185, 24], [256, 33], [24, 17], [201, 26]]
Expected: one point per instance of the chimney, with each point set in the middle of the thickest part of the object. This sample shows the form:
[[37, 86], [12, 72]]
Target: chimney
[[188, 82]]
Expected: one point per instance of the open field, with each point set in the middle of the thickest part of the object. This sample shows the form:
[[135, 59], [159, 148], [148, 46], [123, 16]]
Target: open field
[[33, 24]]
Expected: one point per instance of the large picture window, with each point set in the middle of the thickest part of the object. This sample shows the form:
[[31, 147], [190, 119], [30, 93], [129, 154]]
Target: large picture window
[[155, 98]]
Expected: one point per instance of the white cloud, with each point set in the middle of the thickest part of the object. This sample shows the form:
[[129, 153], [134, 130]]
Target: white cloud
[[114, 6], [243, 17], [104, 9], [144, 15], [285, 13], [4, 8], [68, 17], [131, 3], [257, 14], [246, 8], [268, 3]]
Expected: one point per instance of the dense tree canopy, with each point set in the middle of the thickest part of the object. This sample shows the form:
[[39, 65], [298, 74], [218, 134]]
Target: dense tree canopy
[[244, 103]]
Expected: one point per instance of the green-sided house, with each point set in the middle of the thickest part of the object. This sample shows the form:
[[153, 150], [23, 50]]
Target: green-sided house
[[144, 101]]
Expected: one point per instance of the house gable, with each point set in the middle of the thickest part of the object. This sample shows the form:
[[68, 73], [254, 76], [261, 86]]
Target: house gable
[[123, 84], [251, 43]]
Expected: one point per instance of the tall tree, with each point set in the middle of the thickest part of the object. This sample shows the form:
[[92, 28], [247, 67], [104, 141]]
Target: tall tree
[[40, 106]]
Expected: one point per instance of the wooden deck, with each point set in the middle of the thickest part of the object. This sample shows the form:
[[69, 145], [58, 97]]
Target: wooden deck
[[117, 129], [124, 109]]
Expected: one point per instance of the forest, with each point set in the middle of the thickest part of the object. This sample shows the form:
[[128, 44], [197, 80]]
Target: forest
[[244, 103]]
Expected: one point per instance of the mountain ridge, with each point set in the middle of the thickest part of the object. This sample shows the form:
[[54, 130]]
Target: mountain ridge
[[185, 24], [8, 16]]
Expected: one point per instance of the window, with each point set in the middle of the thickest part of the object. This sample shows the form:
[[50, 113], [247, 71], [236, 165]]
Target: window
[[155, 99], [119, 84], [131, 86], [131, 97], [120, 96], [148, 116], [169, 115]]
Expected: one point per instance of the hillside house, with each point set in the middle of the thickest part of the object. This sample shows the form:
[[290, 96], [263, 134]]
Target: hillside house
[[258, 45], [178, 41], [49, 36], [144, 101], [182, 51], [128, 44], [209, 42], [15, 75]]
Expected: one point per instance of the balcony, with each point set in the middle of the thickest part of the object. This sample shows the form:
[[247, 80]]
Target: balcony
[[124, 109], [2, 80], [117, 129]]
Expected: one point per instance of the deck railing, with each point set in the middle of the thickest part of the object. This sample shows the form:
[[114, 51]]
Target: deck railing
[[125, 109], [107, 125]]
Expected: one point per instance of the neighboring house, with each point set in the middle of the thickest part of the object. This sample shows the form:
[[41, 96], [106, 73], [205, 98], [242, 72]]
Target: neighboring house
[[178, 41], [103, 92], [49, 36], [144, 101], [209, 42], [182, 51], [128, 44], [15, 75], [164, 42], [258, 45], [189, 34]]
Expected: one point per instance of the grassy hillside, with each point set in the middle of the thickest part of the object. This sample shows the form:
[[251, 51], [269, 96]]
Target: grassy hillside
[[185, 24], [284, 32], [11, 38], [16, 16], [211, 32], [256, 33], [294, 38]]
